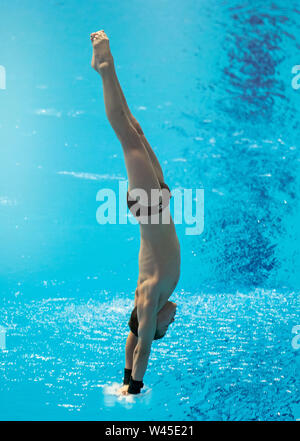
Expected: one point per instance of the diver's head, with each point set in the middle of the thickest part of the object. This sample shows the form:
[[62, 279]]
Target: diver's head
[[164, 318]]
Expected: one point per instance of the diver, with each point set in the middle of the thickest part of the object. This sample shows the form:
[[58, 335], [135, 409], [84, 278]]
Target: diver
[[148, 200]]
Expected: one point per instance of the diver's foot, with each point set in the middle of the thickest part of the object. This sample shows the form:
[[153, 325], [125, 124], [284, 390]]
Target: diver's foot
[[102, 56]]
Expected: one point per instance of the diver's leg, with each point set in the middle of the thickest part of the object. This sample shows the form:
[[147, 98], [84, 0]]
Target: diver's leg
[[103, 63], [153, 157], [139, 166], [100, 39], [138, 128]]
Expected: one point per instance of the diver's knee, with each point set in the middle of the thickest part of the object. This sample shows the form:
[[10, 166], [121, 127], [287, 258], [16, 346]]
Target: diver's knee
[[137, 126]]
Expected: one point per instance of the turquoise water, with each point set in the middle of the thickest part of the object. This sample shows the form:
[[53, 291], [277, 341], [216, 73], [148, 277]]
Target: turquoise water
[[210, 83]]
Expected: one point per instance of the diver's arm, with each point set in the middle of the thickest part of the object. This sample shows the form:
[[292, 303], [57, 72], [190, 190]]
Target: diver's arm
[[147, 314], [129, 349], [131, 341]]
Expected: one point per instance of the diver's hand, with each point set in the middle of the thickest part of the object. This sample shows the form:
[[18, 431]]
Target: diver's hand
[[124, 389]]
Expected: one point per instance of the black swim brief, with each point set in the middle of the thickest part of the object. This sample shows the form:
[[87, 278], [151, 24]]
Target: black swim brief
[[151, 209]]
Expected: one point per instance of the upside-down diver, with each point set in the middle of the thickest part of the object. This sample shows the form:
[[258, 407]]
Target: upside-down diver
[[159, 255]]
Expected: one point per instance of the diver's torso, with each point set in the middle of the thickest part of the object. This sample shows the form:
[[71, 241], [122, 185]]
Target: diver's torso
[[159, 259]]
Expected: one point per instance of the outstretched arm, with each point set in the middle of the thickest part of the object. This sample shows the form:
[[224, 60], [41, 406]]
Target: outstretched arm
[[129, 350], [147, 328], [131, 342], [147, 318]]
